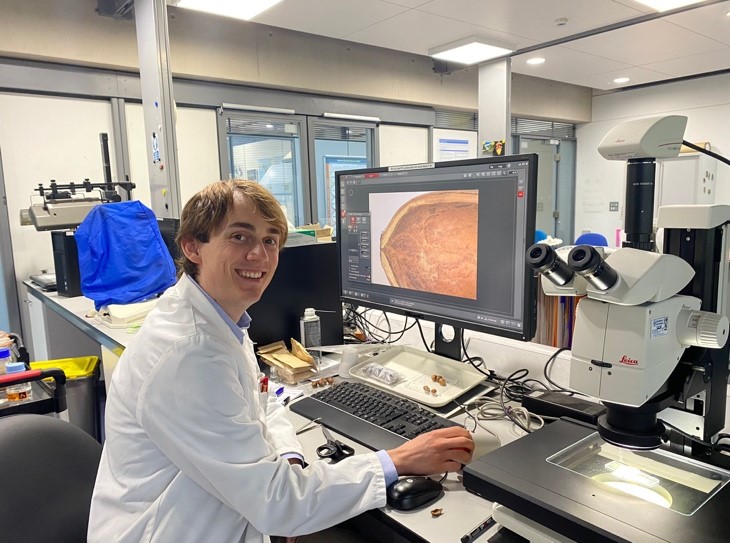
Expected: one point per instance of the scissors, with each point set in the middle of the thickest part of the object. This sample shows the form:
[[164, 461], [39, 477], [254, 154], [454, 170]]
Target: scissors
[[333, 449]]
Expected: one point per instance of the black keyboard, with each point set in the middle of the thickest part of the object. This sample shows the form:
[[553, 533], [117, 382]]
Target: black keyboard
[[370, 416]]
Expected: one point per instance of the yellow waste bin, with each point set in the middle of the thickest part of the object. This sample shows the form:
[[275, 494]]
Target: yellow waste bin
[[82, 377]]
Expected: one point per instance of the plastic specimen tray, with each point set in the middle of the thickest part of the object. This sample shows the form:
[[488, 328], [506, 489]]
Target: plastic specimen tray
[[415, 368]]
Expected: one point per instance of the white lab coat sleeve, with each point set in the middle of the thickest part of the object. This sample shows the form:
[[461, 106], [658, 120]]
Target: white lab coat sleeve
[[281, 432], [202, 412]]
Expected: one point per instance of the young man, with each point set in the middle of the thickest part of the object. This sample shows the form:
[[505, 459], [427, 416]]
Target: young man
[[194, 450]]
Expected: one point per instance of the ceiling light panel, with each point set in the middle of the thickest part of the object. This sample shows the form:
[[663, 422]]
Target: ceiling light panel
[[666, 5], [470, 51], [237, 9]]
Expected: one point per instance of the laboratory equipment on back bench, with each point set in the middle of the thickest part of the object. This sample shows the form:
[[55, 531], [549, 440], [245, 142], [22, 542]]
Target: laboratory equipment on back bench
[[62, 208]]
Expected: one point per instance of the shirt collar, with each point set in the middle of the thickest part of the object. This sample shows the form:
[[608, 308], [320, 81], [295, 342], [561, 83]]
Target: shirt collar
[[236, 327]]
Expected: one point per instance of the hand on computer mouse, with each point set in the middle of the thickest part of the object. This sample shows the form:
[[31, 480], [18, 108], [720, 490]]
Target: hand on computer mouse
[[447, 449]]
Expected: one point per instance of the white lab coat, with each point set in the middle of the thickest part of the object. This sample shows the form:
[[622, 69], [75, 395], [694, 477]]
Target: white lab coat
[[193, 449]]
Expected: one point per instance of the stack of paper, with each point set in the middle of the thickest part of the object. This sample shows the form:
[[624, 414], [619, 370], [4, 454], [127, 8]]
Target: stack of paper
[[288, 367]]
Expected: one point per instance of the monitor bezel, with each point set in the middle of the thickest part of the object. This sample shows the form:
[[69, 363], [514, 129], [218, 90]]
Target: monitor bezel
[[529, 302]]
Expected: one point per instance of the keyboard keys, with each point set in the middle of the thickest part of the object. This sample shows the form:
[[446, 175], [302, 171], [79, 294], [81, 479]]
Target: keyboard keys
[[393, 413]]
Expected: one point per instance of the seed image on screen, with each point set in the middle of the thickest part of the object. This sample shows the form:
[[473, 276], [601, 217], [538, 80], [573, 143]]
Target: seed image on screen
[[430, 242]]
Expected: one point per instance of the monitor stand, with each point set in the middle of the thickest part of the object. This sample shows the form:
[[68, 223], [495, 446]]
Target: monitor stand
[[448, 348]]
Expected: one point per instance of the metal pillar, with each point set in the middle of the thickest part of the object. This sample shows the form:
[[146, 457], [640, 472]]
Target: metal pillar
[[121, 145], [495, 110], [159, 106]]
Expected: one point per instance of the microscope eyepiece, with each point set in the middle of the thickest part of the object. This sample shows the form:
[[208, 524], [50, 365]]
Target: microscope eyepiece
[[586, 261], [544, 260]]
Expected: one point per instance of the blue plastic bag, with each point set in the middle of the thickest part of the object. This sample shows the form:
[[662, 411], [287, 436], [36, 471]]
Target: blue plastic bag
[[122, 257]]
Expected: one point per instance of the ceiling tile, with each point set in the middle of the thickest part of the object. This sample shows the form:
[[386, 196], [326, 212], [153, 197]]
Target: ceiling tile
[[409, 3], [694, 64], [688, 43], [417, 32], [638, 76], [563, 64], [648, 42], [332, 18], [534, 18], [710, 21]]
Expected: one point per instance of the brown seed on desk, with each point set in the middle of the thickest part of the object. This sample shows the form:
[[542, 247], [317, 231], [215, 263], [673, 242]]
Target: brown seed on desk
[[433, 391], [426, 389], [442, 381], [437, 512], [434, 378]]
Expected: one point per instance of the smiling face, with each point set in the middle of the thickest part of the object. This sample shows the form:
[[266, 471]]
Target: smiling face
[[238, 261]]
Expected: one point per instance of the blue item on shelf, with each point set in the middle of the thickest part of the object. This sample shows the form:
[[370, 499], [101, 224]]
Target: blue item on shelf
[[122, 256], [592, 238]]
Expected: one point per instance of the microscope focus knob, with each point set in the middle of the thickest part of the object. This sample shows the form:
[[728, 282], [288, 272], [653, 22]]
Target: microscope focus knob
[[712, 331], [705, 329]]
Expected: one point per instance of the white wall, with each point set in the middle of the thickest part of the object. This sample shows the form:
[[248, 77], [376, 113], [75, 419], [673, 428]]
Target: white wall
[[402, 144], [46, 138], [197, 149], [706, 103]]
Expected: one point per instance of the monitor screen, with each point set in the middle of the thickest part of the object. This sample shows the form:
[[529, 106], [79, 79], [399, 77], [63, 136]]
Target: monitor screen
[[445, 242], [305, 277], [168, 230]]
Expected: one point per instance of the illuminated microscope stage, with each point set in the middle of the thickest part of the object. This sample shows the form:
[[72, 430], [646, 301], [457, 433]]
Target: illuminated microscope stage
[[568, 479]]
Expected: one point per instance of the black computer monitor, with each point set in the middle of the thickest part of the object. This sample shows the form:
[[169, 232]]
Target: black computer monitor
[[168, 230], [445, 242], [305, 277]]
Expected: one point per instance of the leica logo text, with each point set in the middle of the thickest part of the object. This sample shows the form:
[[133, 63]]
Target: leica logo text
[[628, 361]]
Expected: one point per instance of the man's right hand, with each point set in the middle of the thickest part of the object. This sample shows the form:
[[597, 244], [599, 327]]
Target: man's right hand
[[447, 449]]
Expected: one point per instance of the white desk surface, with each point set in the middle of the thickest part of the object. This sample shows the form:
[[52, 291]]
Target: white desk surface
[[462, 511], [75, 310]]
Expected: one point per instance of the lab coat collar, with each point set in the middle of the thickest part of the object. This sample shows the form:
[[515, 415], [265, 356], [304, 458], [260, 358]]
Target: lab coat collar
[[238, 328]]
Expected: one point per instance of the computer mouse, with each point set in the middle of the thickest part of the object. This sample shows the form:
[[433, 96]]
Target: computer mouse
[[411, 492]]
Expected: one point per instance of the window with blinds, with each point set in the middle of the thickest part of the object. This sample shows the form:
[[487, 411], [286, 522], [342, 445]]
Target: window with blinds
[[548, 129], [335, 146], [456, 120], [268, 150]]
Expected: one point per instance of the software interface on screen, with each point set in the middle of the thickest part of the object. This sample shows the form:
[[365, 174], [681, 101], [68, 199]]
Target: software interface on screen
[[445, 242]]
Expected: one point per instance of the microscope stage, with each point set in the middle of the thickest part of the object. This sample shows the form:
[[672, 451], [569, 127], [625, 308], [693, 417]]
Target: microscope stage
[[565, 477]]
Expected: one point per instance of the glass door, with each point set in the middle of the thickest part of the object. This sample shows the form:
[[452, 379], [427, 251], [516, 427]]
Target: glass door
[[336, 145], [555, 184], [269, 149]]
